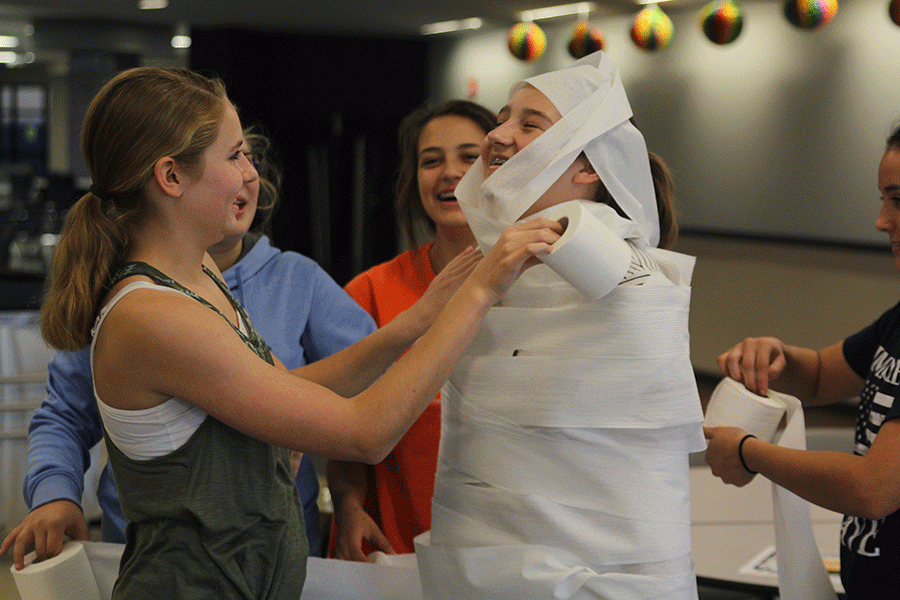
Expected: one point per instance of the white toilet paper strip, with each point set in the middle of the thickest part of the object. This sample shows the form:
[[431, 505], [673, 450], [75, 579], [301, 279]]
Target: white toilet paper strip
[[534, 572], [565, 441], [67, 576], [801, 571]]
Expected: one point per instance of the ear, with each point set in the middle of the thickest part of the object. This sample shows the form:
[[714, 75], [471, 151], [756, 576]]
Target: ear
[[585, 173], [169, 176]]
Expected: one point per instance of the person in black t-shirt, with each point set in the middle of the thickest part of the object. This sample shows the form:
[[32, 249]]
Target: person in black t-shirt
[[865, 485]]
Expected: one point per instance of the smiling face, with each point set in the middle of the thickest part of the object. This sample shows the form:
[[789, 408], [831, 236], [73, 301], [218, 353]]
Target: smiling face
[[238, 222], [528, 114], [228, 177], [889, 184], [448, 146]]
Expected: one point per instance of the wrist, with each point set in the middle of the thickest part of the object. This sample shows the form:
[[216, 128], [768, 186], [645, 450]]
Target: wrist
[[740, 451]]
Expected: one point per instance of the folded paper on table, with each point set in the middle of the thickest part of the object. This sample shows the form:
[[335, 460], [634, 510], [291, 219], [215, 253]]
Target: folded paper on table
[[801, 571]]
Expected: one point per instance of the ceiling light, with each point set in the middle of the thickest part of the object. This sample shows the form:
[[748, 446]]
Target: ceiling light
[[8, 41], [7, 57], [181, 41], [557, 11], [448, 26], [152, 4]]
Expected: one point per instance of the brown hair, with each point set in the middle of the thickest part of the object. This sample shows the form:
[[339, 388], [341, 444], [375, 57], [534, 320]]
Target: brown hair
[[893, 140], [409, 205], [267, 165], [140, 116]]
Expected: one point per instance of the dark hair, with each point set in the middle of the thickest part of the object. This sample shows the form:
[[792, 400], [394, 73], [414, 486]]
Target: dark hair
[[140, 116], [409, 205], [893, 140], [267, 164]]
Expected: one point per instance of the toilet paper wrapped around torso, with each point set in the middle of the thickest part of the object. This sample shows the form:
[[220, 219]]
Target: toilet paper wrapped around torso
[[563, 468]]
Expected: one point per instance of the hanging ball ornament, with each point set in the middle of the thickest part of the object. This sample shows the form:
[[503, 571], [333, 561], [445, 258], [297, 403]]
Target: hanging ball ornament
[[585, 40], [810, 14], [527, 41], [722, 21], [894, 11], [652, 29]]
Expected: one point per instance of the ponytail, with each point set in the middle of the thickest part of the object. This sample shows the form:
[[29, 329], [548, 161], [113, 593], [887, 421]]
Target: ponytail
[[140, 116], [91, 247], [664, 187]]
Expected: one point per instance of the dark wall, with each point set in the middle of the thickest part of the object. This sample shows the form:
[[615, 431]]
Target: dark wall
[[331, 106]]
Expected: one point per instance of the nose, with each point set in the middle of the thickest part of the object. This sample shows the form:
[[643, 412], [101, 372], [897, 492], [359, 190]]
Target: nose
[[887, 217], [249, 169], [500, 134], [454, 169]]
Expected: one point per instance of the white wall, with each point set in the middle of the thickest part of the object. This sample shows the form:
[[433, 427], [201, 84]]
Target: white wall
[[779, 134]]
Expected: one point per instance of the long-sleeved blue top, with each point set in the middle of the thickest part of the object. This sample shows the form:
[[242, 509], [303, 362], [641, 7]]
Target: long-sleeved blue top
[[297, 308]]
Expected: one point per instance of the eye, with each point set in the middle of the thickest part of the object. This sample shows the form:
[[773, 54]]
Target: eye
[[252, 158], [429, 162], [470, 157]]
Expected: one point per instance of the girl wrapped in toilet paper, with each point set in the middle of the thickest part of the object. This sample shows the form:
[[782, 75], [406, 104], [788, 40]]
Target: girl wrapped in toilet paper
[[563, 468]]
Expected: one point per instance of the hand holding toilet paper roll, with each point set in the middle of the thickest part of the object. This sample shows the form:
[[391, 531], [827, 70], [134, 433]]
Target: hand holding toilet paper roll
[[589, 254], [801, 571], [733, 405], [67, 576]]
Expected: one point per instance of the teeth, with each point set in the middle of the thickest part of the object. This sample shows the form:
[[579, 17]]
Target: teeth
[[498, 161], [448, 196]]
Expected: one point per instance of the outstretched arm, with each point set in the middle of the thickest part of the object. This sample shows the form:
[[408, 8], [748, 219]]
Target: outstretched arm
[[814, 377], [352, 370], [172, 348]]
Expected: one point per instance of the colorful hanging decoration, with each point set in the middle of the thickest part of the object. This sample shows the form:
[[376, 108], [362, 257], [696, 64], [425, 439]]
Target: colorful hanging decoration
[[585, 40], [810, 14], [652, 29], [722, 21], [527, 41], [894, 11]]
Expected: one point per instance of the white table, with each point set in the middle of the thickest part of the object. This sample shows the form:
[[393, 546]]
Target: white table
[[730, 526]]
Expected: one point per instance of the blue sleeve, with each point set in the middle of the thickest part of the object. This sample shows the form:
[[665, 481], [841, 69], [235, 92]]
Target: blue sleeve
[[62, 432], [335, 320]]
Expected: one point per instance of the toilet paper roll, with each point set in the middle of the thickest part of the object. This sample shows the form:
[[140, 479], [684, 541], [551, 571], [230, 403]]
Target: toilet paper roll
[[67, 576], [732, 404], [589, 255], [801, 571]]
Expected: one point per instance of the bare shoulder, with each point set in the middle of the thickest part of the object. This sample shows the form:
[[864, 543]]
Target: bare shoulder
[[147, 335]]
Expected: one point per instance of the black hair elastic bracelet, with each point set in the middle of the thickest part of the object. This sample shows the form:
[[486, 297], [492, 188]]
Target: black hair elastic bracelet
[[741, 452]]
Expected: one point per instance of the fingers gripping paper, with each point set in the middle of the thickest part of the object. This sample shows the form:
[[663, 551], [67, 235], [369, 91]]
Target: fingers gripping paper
[[801, 572], [590, 255]]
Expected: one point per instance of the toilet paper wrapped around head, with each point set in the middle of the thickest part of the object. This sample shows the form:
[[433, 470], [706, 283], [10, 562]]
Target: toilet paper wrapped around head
[[595, 121]]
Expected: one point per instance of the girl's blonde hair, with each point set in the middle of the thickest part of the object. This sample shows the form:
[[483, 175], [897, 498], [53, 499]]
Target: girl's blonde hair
[[139, 117]]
